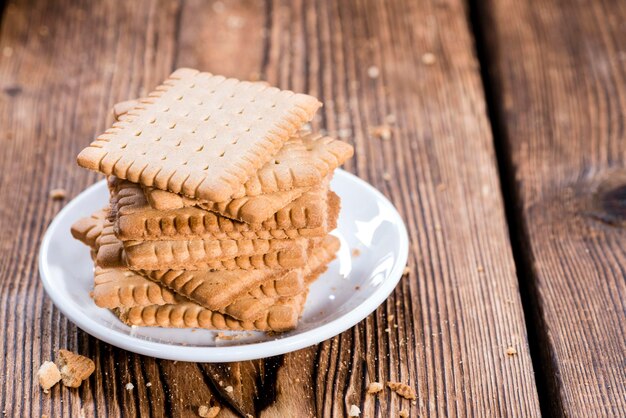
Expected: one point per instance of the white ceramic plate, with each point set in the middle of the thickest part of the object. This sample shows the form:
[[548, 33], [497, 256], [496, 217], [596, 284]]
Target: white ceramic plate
[[350, 290]]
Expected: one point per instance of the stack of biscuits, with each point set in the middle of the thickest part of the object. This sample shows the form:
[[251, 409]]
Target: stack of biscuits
[[220, 208]]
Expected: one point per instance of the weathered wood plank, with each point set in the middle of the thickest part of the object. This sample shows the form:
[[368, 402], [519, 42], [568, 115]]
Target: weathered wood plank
[[560, 87], [456, 312]]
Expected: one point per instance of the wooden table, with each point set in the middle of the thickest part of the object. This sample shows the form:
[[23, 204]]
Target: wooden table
[[506, 161]]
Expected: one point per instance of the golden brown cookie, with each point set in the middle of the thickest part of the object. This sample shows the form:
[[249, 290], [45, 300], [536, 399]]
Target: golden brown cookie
[[74, 368], [280, 317], [303, 161], [135, 219], [199, 135]]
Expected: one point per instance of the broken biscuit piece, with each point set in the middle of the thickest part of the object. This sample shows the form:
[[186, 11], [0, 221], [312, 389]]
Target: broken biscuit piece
[[374, 387], [208, 412], [406, 391], [48, 375], [74, 368]]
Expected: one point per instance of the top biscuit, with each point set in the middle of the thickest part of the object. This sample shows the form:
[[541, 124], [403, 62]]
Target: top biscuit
[[199, 135]]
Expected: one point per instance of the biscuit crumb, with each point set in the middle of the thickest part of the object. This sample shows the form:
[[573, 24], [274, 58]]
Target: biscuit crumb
[[234, 22], [356, 252], [374, 387], [213, 412], [74, 368], [228, 389], [511, 351], [407, 270], [404, 414], [390, 318], [382, 132], [480, 269], [208, 412], [355, 411], [225, 337], [48, 375], [429, 58], [129, 386], [387, 330], [373, 72], [406, 391], [148, 384], [344, 133], [386, 176], [203, 411], [57, 194]]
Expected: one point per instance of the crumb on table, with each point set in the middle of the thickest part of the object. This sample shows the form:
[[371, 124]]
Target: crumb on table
[[429, 58], [382, 132], [355, 411], [205, 411], [374, 387], [58, 194], [404, 390], [373, 71], [48, 375]]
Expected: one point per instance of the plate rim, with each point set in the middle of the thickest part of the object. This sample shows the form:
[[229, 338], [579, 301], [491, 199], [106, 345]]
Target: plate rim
[[221, 354]]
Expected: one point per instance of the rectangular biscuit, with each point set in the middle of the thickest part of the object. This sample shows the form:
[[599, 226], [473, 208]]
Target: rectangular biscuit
[[135, 219], [249, 209], [199, 135], [307, 211], [123, 288], [110, 253], [303, 161], [280, 317], [198, 253]]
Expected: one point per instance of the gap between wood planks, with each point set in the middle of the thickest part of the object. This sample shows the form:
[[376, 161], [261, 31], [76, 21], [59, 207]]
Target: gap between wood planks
[[536, 328]]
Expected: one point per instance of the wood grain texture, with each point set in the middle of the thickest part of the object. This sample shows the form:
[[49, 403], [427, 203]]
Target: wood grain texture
[[456, 312], [560, 87]]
